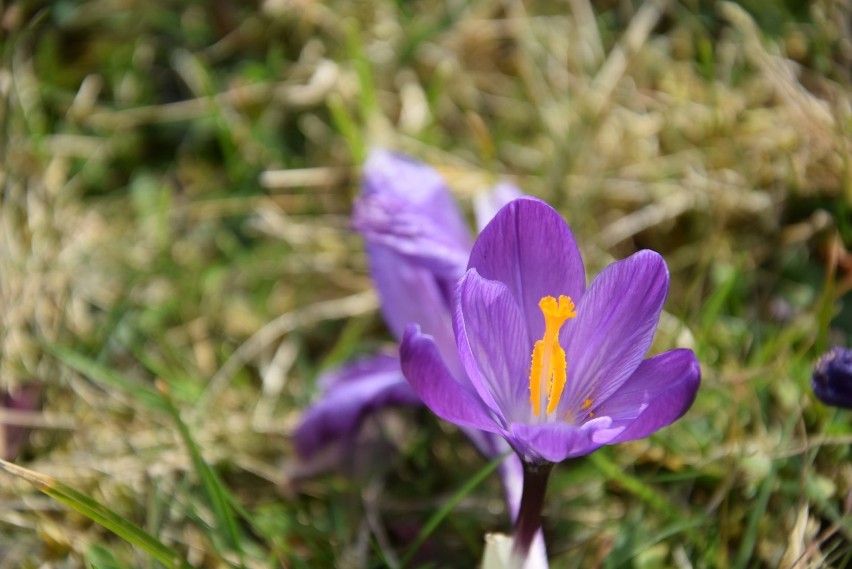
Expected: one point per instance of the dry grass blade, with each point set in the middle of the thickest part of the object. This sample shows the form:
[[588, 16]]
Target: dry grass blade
[[613, 69], [353, 305]]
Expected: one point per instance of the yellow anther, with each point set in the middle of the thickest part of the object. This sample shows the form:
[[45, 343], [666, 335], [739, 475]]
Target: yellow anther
[[535, 373], [548, 367], [557, 384]]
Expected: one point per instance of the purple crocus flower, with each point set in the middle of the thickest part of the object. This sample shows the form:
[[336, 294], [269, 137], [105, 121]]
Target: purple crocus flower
[[555, 369], [832, 378]]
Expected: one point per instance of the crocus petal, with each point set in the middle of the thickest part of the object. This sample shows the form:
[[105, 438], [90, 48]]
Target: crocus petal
[[487, 203], [555, 442], [492, 343], [352, 392], [656, 395], [529, 247], [428, 375], [356, 370], [406, 207], [614, 327], [412, 293]]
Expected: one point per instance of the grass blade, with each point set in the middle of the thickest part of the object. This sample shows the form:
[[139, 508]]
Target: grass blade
[[99, 514], [436, 519], [632, 484], [749, 538], [643, 491], [107, 377], [214, 488]]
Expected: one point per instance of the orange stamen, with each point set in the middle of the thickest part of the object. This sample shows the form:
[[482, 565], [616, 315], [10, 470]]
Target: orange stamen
[[548, 369]]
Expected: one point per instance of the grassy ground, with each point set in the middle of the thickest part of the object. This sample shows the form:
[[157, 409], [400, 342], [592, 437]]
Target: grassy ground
[[176, 268]]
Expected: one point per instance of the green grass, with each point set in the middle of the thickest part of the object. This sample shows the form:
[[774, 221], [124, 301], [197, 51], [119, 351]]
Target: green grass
[[176, 268]]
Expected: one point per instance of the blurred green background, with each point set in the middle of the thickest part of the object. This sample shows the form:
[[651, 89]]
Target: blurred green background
[[176, 268]]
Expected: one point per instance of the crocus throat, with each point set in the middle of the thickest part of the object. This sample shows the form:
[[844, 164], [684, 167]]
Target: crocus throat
[[548, 367]]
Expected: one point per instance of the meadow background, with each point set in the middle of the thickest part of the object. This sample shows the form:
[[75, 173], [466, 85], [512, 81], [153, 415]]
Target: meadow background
[[176, 269]]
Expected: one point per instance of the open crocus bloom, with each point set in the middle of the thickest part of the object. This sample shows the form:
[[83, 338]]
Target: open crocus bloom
[[554, 368]]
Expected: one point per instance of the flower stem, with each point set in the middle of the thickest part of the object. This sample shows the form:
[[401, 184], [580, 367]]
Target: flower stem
[[532, 502]]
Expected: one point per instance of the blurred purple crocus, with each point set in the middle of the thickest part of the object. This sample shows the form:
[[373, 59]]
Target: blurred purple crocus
[[556, 369], [418, 245], [349, 394], [832, 378]]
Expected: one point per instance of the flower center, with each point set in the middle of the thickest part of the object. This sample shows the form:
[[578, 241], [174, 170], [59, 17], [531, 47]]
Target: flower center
[[548, 367]]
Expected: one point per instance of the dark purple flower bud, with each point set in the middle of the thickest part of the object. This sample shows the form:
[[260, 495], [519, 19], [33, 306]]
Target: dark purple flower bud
[[832, 379]]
